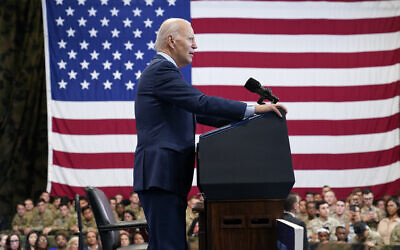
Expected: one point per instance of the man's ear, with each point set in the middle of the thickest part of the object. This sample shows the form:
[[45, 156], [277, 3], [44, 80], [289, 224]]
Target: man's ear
[[170, 41]]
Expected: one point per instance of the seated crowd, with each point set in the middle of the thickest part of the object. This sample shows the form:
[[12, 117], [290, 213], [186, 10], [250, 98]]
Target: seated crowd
[[359, 219]]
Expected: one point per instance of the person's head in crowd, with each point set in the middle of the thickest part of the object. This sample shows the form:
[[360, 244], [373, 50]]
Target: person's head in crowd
[[340, 207], [30, 240], [302, 207], [357, 191], [87, 213], [138, 238], [113, 203], [361, 230], [192, 201], [61, 241], [73, 243], [120, 208], [325, 189], [317, 197], [380, 203], [64, 210], [13, 242], [21, 209], [119, 198], [134, 198], [41, 205], [355, 199], [310, 210], [323, 209], [330, 197], [56, 202], [392, 208], [42, 242], [291, 204], [124, 239], [129, 215], [386, 197], [354, 213], [28, 205], [368, 197], [341, 234], [3, 240], [91, 239], [323, 235], [83, 202], [45, 196], [65, 200], [309, 196]]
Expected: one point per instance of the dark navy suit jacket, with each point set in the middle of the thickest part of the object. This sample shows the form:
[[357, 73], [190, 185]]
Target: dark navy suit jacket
[[166, 110]]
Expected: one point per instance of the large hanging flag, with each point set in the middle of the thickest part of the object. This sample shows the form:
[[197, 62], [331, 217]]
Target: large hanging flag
[[334, 64]]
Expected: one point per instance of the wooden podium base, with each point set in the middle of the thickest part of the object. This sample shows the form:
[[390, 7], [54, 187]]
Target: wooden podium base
[[241, 224]]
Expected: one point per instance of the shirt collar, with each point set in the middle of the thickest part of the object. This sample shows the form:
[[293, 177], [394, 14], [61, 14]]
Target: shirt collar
[[166, 56]]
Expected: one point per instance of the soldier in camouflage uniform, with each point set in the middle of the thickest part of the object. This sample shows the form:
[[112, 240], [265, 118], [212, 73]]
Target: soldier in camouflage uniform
[[322, 221], [370, 214], [28, 211], [18, 222], [88, 221], [341, 214], [135, 207], [395, 236], [365, 236], [302, 214], [65, 222], [43, 218]]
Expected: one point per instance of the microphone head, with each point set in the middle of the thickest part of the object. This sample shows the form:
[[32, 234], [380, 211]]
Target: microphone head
[[252, 85]]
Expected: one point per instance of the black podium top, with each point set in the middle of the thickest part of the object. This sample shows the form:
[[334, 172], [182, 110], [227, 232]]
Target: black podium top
[[249, 159]]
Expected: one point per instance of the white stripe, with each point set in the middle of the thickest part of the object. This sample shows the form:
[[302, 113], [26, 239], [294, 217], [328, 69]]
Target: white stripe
[[342, 110], [347, 178], [94, 143], [92, 177], [297, 77], [298, 43], [93, 110], [344, 144], [298, 144], [294, 10]]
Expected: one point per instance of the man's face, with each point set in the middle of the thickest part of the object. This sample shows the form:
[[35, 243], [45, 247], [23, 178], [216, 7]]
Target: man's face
[[355, 200], [83, 203], [302, 207], [41, 206], [119, 198], [61, 241], [134, 198], [341, 234], [355, 215], [113, 203], [310, 208], [309, 197], [124, 240], [330, 197], [28, 205], [64, 211], [317, 197], [340, 207], [88, 214], [45, 196], [20, 210], [184, 45], [324, 210], [323, 237], [368, 199], [91, 238]]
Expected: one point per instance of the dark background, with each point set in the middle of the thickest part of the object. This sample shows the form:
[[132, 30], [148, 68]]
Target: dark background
[[23, 114]]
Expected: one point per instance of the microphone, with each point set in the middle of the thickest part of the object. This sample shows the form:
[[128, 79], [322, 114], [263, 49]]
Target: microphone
[[254, 86]]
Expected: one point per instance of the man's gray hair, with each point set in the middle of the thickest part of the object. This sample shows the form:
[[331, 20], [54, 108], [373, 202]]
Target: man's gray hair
[[168, 27]]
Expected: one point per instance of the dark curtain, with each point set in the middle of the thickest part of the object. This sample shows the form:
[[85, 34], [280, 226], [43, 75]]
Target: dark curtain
[[23, 118]]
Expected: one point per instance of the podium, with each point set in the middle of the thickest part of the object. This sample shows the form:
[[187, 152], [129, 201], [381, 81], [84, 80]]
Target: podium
[[245, 172]]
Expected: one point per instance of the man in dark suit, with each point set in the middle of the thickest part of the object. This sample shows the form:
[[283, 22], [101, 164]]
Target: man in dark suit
[[290, 208], [167, 109]]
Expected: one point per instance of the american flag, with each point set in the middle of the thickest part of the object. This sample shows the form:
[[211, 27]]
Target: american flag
[[334, 64]]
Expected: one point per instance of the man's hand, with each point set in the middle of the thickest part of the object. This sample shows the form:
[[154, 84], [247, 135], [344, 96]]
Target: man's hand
[[259, 109]]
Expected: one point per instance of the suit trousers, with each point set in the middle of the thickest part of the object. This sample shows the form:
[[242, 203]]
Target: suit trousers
[[165, 214]]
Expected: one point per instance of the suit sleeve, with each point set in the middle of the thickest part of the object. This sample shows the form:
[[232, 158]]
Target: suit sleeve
[[172, 88]]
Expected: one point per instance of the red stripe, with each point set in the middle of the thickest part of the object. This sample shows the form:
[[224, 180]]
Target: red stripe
[[93, 161], [296, 26], [94, 127], [346, 161], [58, 189], [334, 127], [390, 188], [296, 60], [308, 94]]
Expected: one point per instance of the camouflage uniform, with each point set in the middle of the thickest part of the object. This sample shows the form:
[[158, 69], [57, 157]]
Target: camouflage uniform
[[19, 221], [395, 236], [303, 217], [64, 223], [137, 211], [29, 217], [317, 223], [343, 220], [193, 240], [371, 223], [86, 224], [40, 221], [373, 237]]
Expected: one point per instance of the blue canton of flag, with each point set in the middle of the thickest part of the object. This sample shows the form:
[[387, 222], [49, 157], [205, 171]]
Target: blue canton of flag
[[98, 48]]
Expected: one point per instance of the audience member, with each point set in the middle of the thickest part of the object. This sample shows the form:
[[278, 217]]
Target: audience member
[[340, 234], [355, 199], [19, 222], [42, 243], [129, 216], [325, 189], [365, 236], [354, 217], [386, 225], [309, 196], [124, 239], [340, 212], [83, 202], [310, 211], [61, 241], [302, 213], [113, 204], [135, 206], [317, 197], [119, 198], [330, 198], [323, 235], [88, 221], [369, 213], [73, 243], [380, 204], [43, 218], [31, 240], [91, 240], [13, 242], [395, 236], [138, 238], [324, 220], [3, 240], [65, 221], [120, 209]]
